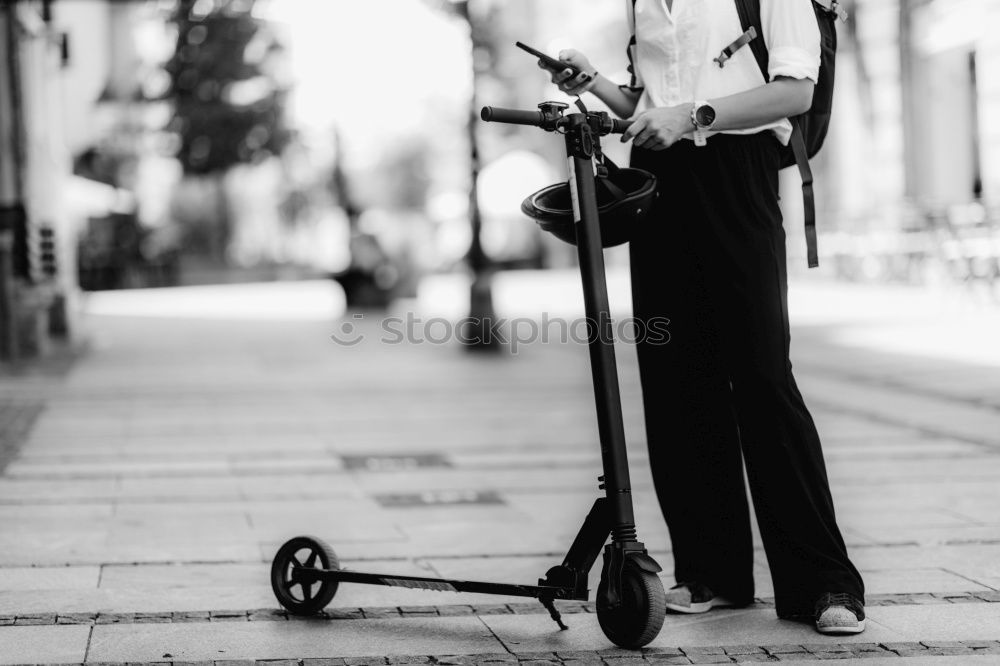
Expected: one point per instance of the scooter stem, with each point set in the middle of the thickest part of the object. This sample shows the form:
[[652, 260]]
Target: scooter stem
[[581, 142]]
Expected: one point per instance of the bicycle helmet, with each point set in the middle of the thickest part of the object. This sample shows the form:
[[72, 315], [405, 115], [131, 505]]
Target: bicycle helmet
[[624, 198]]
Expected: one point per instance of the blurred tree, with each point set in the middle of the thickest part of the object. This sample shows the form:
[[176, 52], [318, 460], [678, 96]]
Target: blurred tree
[[227, 92], [228, 102], [483, 40]]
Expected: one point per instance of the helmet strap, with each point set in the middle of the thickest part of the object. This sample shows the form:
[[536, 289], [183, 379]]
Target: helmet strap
[[605, 169]]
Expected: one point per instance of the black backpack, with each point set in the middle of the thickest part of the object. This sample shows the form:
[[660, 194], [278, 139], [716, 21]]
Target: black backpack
[[808, 129]]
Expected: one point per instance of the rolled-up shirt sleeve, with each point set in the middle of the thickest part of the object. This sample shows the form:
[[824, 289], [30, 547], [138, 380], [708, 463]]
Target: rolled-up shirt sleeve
[[792, 37]]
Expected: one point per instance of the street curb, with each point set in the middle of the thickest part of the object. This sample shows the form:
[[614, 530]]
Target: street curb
[[660, 656], [445, 610]]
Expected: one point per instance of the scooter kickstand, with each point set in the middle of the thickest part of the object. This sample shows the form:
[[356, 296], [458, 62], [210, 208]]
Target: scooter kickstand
[[551, 607]]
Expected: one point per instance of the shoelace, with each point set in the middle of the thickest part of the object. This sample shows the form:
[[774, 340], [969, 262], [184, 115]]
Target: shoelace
[[839, 599]]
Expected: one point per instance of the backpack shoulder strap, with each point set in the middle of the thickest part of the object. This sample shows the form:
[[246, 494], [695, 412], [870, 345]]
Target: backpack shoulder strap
[[633, 83], [798, 145], [749, 11]]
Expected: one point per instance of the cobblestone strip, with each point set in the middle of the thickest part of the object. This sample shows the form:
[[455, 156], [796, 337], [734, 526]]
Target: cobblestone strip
[[730, 654], [381, 612], [16, 420]]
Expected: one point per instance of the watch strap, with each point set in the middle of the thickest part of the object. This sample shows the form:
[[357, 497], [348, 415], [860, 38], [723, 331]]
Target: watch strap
[[694, 113], [699, 130]]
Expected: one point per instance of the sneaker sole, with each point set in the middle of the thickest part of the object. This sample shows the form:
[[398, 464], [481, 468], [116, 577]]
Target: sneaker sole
[[702, 607], [842, 630]]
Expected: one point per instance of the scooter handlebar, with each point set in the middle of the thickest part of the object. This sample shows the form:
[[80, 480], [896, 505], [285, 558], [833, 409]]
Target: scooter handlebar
[[496, 114], [537, 118]]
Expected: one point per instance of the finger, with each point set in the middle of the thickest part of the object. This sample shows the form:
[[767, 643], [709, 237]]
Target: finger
[[582, 78], [548, 68], [662, 143], [658, 142], [634, 129], [560, 77], [644, 138], [639, 139]]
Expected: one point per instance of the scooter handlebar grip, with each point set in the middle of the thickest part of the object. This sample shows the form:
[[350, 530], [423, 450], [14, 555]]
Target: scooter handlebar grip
[[620, 126], [492, 114]]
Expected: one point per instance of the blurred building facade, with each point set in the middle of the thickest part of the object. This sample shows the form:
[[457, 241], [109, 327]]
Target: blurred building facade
[[36, 269], [951, 74], [67, 73], [909, 180]]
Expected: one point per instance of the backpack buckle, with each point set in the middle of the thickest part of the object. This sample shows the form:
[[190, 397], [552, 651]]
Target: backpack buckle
[[741, 41], [833, 7]]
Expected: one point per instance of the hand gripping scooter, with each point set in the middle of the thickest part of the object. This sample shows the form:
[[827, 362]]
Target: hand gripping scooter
[[305, 573]]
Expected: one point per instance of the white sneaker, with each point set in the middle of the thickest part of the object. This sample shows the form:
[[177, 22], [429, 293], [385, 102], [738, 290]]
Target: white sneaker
[[840, 613], [694, 598]]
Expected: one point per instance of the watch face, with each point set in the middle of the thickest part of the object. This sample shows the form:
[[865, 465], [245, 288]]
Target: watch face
[[705, 115]]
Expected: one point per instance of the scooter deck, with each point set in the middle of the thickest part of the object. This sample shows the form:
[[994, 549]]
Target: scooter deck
[[308, 576]]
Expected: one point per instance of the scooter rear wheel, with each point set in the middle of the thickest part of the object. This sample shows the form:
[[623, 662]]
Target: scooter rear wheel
[[639, 617], [296, 554]]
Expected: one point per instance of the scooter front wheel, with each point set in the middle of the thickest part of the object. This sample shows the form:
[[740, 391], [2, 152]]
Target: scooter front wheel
[[639, 617], [299, 595]]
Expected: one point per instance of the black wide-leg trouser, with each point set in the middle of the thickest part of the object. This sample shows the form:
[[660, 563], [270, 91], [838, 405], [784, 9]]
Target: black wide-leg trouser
[[711, 259]]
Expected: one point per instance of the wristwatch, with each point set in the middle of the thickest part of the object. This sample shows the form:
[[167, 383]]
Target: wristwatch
[[702, 115]]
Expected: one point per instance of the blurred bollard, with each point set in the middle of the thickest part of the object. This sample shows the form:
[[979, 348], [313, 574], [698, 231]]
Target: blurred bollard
[[477, 333]]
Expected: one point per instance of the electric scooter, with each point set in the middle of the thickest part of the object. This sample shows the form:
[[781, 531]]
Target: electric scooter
[[630, 598]]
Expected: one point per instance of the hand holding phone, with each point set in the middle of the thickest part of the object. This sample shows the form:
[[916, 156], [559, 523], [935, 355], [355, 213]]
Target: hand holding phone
[[552, 64], [580, 78]]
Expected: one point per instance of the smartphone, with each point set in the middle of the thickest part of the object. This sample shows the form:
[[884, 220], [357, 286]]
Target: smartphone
[[551, 63]]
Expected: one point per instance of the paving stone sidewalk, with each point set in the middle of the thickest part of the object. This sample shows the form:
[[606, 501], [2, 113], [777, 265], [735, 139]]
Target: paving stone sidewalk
[[146, 490]]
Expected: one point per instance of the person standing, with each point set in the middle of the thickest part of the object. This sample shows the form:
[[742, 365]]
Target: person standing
[[711, 259]]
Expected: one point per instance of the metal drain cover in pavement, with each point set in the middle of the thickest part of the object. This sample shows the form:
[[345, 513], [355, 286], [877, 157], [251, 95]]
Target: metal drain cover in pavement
[[440, 498], [394, 463]]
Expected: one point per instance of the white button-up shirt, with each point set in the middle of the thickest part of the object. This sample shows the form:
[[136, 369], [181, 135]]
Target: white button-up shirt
[[675, 50]]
